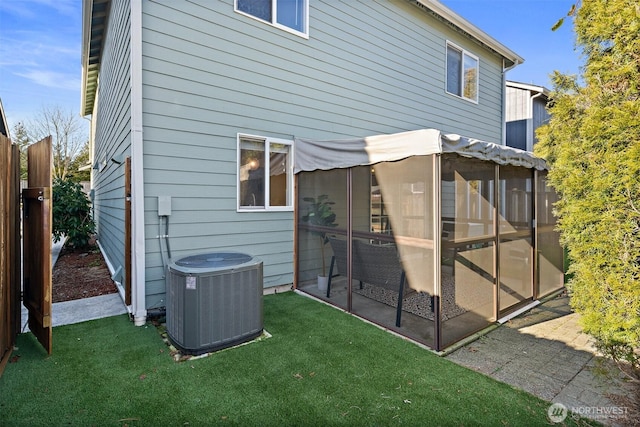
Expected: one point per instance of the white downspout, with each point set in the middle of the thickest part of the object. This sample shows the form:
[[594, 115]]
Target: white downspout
[[92, 144], [138, 285], [504, 98]]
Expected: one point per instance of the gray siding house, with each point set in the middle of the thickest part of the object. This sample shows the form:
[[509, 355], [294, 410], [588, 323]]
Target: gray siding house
[[526, 107], [183, 96]]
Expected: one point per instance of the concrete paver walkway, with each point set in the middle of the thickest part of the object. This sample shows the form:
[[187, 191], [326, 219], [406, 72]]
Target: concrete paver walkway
[[545, 353], [82, 310]]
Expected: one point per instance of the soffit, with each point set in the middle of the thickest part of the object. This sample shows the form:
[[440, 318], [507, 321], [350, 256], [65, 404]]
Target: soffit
[[94, 27]]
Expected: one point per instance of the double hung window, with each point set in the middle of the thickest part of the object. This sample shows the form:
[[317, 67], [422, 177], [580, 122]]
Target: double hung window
[[286, 14], [462, 73], [265, 174]]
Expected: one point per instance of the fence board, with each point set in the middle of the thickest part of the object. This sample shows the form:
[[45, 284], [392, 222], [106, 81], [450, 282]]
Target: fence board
[[37, 241], [9, 248]]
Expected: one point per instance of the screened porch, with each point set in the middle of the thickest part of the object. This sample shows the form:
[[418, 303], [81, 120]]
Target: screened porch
[[432, 236]]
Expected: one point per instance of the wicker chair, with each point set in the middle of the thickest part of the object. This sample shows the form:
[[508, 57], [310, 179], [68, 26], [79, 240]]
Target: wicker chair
[[381, 266], [377, 265]]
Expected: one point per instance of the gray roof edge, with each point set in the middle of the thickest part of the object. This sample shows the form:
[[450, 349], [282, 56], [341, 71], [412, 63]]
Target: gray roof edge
[[4, 126], [438, 8], [531, 87]]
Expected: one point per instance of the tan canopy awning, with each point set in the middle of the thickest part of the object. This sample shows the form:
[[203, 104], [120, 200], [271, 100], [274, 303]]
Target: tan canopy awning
[[313, 155]]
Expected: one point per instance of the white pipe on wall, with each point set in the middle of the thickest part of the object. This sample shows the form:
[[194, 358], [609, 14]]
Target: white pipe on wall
[[138, 285]]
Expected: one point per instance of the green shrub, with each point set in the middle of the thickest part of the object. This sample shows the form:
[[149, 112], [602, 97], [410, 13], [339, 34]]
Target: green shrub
[[71, 213], [592, 143]]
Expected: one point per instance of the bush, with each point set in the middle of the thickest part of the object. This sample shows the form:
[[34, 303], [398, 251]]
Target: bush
[[592, 143], [71, 213]]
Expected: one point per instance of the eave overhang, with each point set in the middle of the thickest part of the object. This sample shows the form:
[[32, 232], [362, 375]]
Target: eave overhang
[[94, 26], [4, 126], [458, 23]]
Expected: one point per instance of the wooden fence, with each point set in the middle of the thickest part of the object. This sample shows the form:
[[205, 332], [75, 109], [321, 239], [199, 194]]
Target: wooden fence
[[10, 260]]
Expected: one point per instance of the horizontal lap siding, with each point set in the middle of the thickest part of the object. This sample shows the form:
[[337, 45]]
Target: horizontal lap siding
[[517, 104], [368, 67], [112, 135], [345, 82]]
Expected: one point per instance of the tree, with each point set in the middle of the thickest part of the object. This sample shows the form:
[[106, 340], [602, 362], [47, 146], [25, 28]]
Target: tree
[[592, 144], [78, 170], [67, 136], [71, 214], [21, 138]]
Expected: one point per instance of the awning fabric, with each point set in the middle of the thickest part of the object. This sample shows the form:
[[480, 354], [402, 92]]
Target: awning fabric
[[313, 155]]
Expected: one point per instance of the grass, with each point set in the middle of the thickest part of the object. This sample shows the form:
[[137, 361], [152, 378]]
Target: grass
[[320, 367]]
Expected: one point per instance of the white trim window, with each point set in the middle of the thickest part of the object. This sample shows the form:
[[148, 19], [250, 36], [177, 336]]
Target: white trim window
[[265, 174], [289, 15], [462, 73]]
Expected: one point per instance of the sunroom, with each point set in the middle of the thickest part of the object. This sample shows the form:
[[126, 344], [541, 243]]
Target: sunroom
[[435, 237]]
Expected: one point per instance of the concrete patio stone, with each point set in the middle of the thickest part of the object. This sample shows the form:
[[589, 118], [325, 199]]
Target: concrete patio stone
[[545, 353]]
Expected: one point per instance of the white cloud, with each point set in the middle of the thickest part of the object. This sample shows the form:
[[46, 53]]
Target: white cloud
[[28, 49], [52, 79], [31, 8], [40, 49]]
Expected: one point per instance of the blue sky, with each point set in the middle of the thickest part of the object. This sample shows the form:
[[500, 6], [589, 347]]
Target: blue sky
[[524, 26], [39, 56], [40, 47]]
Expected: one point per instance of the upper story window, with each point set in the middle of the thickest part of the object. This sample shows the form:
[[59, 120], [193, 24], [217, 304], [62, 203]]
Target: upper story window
[[265, 174], [462, 73], [286, 14]]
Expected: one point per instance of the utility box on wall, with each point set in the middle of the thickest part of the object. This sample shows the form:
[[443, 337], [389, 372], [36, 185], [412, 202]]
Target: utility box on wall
[[214, 301]]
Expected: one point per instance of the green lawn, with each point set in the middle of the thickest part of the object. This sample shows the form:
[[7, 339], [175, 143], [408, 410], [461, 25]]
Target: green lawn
[[320, 367]]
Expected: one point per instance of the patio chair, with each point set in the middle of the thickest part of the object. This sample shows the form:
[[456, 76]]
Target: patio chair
[[380, 266]]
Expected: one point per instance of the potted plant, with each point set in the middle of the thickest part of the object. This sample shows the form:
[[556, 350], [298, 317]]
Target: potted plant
[[320, 214]]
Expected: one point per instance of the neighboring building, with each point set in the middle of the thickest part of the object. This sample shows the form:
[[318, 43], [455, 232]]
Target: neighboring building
[[526, 111], [199, 94], [4, 126]]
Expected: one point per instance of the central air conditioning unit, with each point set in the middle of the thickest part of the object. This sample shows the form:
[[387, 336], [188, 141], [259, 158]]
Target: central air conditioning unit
[[214, 301]]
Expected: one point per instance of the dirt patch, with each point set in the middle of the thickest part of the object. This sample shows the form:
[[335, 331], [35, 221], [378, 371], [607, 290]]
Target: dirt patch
[[81, 274]]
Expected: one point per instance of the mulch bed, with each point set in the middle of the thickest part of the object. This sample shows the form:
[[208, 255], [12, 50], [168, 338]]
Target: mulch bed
[[80, 274]]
